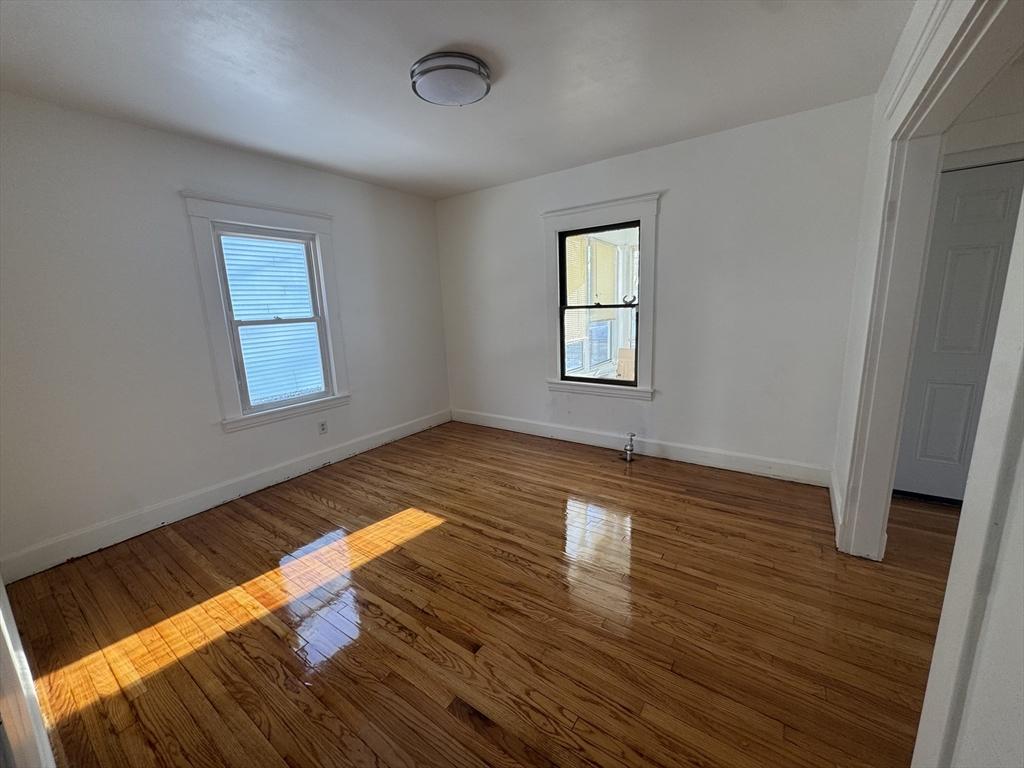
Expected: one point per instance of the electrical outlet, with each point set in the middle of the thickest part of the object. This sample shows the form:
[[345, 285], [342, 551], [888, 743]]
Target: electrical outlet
[[323, 427]]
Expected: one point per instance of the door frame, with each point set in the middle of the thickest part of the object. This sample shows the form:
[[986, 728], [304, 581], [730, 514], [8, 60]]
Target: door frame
[[985, 41]]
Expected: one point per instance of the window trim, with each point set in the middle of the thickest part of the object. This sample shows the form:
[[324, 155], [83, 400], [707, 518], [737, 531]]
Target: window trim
[[208, 218], [642, 208]]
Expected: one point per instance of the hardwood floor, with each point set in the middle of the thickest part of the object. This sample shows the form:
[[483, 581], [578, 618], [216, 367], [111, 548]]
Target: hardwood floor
[[469, 597]]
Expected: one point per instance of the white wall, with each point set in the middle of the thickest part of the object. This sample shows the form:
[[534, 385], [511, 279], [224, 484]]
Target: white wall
[[992, 730], [107, 396], [756, 241]]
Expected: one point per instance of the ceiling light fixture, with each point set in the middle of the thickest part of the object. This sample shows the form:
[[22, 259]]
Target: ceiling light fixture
[[450, 79]]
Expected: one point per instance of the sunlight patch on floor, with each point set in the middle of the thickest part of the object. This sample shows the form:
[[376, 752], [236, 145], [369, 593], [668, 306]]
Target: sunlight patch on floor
[[318, 574]]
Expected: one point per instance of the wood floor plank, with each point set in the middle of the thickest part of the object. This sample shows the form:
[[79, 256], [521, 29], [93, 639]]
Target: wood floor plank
[[470, 597], [176, 711], [246, 647], [868, 682], [58, 707], [111, 721]]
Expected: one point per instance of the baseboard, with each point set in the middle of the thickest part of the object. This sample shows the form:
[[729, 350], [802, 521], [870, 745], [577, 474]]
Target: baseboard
[[709, 457], [53, 551]]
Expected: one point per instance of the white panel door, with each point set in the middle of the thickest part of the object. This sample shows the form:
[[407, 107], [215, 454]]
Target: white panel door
[[963, 287]]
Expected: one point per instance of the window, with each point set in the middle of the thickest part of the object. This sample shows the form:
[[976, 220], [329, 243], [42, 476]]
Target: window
[[599, 291], [270, 280], [602, 259], [264, 276]]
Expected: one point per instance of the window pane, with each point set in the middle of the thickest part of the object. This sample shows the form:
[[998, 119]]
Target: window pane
[[600, 343], [602, 267], [266, 278], [573, 355], [599, 334], [282, 362]]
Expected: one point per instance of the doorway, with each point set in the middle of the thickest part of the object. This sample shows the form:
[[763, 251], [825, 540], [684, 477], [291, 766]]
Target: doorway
[[964, 277]]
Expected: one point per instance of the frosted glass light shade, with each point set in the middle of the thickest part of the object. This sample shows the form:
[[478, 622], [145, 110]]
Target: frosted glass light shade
[[450, 79]]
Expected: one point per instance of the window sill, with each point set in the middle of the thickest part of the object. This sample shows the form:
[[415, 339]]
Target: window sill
[[605, 390], [277, 414]]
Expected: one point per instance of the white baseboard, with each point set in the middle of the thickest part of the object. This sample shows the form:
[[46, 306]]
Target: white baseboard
[[53, 551], [709, 457]]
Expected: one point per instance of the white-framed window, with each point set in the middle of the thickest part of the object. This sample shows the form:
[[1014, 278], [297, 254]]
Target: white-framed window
[[266, 277], [600, 264]]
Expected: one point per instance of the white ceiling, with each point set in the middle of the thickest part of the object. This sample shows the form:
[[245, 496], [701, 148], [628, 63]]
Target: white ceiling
[[327, 83]]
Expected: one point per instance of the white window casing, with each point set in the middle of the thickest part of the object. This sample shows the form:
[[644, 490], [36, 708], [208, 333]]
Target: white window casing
[[642, 208], [212, 218]]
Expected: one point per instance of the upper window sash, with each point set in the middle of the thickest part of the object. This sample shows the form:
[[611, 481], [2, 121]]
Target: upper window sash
[[563, 236], [313, 282]]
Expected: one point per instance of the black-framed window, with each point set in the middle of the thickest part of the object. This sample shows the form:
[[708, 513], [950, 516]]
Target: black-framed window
[[599, 286]]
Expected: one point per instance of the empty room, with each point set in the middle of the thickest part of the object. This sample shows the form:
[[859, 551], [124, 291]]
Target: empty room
[[457, 383]]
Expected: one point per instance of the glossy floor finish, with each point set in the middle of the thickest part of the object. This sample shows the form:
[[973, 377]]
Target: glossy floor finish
[[469, 597]]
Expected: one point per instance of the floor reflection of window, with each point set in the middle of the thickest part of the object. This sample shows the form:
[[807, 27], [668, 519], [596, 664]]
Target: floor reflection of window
[[323, 601], [314, 583], [597, 548]]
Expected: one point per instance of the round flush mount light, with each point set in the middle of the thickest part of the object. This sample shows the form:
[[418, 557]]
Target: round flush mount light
[[450, 79]]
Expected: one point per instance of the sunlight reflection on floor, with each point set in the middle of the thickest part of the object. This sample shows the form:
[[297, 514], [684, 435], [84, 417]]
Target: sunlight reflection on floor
[[310, 583]]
